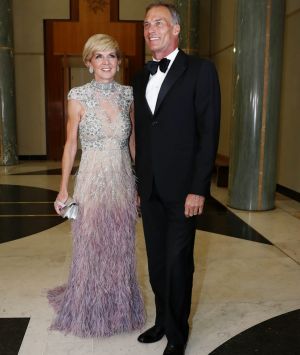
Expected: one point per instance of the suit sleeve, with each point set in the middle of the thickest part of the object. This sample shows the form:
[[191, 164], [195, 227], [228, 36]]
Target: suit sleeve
[[207, 104]]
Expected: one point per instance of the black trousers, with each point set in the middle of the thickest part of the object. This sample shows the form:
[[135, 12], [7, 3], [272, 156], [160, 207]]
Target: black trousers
[[170, 237]]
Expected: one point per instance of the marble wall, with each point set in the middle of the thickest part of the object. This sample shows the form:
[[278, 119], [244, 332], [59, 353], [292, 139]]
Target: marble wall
[[221, 49]]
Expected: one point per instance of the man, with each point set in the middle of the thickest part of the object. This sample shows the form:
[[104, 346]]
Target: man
[[177, 113]]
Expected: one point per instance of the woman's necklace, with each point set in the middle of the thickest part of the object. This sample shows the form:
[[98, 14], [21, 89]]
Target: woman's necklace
[[105, 88]]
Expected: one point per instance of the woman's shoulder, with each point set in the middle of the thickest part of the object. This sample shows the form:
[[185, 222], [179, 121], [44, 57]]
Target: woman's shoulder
[[79, 92], [127, 91]]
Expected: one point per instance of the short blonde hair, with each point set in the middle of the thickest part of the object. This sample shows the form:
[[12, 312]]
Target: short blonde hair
[[99, 42]]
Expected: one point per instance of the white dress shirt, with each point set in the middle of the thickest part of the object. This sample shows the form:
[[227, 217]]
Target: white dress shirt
[[156, 80]]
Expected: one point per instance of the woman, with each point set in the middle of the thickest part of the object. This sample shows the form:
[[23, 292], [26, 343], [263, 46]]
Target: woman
[[101, 297]]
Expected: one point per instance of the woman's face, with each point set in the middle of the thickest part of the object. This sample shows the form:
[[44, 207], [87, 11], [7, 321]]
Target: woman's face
[[105, 64]]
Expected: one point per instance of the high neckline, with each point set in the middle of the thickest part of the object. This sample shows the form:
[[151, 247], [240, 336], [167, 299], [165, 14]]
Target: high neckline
[[104, 86]]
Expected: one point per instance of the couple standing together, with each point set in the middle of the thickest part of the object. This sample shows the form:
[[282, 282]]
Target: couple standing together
[[172, 134]]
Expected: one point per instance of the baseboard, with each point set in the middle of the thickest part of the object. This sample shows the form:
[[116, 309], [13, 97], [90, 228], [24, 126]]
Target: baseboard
[[288, 192], [32, 157]]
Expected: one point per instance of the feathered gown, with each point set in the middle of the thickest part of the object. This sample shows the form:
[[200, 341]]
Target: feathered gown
[[102, 296]]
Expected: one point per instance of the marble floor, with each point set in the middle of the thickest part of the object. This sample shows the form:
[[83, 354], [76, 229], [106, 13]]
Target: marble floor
[[246, 297]]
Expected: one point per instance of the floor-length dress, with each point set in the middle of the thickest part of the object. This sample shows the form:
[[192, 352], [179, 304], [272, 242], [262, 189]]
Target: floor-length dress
[[102, 297]]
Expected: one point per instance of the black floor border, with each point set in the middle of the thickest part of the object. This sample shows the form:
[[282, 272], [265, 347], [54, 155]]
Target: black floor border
[[32, 157], [217, 218], [12, 331], [274, 336], [288, 192], [56, 171], [26, 210]]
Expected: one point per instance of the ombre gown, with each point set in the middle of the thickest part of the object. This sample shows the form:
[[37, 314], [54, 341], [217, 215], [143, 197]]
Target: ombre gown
[[102, 296]]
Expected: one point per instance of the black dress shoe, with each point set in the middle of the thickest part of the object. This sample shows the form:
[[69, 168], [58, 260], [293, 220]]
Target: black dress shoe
[[152, 335], [172, 349]]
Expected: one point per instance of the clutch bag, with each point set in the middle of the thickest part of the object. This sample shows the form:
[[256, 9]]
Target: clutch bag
[[70, 209]]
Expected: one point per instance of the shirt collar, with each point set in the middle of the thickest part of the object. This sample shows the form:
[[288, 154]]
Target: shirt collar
[[171, 57]]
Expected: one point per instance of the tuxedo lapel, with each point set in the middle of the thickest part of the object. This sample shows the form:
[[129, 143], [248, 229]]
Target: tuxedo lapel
[[145, 79], [177, 69]]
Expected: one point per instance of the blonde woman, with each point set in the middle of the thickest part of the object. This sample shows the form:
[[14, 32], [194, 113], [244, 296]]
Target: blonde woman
[[101, 297]]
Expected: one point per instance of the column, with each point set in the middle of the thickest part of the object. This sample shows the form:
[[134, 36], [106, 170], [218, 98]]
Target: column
[[258, 56], [189, 11], [8, 146]]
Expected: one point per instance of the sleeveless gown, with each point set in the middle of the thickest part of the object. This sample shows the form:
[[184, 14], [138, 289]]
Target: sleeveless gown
[[102, 296]]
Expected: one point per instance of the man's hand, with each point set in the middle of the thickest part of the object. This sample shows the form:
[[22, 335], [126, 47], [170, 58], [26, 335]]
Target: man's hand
[[138, 201], [138, 205], [193, 205]]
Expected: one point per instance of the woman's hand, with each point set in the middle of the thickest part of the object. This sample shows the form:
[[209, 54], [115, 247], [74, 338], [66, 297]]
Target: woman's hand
[[75, 112], [59, 203]]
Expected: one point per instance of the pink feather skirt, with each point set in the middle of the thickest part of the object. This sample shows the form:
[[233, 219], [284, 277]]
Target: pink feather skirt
[[102, 296]]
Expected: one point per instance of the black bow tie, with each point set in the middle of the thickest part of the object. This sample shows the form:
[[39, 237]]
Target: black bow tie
[[162, 64]]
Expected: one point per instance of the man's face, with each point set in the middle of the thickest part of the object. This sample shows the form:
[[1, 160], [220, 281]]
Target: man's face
[[161, 35]]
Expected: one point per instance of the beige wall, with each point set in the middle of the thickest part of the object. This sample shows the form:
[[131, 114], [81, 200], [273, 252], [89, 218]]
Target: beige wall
[[222, 38], [29, 68], [29, 64], [289, 129], [128, 11], [133, 10], [204, 28], [216, 39]]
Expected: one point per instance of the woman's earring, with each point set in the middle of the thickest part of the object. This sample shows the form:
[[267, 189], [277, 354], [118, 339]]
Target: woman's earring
[[91, 69], [118, 68]]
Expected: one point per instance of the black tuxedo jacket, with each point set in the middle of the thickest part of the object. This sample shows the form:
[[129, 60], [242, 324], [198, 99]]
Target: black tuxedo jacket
[[176, 146]]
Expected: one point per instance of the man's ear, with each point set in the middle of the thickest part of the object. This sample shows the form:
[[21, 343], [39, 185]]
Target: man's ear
[[176, 29]]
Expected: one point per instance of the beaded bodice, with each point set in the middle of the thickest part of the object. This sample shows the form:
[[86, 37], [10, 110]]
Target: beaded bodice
[[106, 123]]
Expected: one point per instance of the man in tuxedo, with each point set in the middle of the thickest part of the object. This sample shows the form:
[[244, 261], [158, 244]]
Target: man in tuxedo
[[177, 113]]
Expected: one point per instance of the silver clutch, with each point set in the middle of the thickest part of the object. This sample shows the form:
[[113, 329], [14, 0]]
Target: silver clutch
[[70, 209]]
